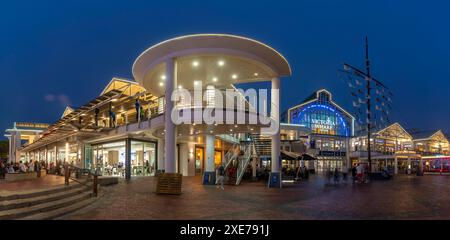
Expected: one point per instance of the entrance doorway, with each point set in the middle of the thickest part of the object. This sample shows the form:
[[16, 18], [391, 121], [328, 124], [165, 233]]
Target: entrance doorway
[[199, 160]]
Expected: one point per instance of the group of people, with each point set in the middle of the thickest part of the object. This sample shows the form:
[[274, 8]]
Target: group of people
[[335, 175], [20, 167], [298, 173], [359, 173]]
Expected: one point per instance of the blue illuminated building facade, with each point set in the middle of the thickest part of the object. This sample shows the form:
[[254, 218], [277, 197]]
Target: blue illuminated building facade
[[330, 126]]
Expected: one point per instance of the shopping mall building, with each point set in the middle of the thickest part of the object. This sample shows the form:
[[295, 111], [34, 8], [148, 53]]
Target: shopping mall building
[[128, 130]]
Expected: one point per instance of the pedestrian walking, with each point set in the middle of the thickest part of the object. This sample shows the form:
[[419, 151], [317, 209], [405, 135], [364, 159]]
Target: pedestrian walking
[[220, 173], [354, 172], [344, 173], [336, 175]]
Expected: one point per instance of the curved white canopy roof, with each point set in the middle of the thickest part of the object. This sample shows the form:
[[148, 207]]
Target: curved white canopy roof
[[247, 53]]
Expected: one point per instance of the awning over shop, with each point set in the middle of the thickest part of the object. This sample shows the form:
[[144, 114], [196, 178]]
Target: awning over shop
[[287, 155]]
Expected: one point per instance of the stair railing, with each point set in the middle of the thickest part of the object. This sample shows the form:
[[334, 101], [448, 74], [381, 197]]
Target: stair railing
[[244, 161], [69, 169], [230, 156]]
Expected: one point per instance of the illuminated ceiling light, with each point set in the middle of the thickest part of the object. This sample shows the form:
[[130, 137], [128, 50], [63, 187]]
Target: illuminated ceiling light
[[211, 131], [83, 114], [231, 130], [161, 84], [180, 87], [196, 82], [235, 126], [255, 74], [215, 124], [114, 100], [221, 63], [215, 79], [195, 63], [163, 77], [234, 76], [251, 129]]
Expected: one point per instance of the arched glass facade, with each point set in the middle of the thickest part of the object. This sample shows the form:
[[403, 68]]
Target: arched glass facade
[[322, 117]]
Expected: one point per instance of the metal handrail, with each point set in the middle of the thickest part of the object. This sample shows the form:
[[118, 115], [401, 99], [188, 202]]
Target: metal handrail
[[230, 156], [67, 176], [248, 153]]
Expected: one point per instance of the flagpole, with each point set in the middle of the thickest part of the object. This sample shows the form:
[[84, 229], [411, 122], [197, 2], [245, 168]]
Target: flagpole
[[369, 155]]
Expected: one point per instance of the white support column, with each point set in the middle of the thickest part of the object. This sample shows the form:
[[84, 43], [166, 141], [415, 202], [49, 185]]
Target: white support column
[[81, 154], [160, 154], [275, 175], [184, 159], [56, 154], [209, 152], [420, 166], [66, 153], [408, 165], [46, 154], [254, 166], [395, 165], [209, 176], [10, 149], [170, 135]]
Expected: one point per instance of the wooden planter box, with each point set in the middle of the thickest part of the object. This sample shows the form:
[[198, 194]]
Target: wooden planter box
[[169, 183], [12, 177]]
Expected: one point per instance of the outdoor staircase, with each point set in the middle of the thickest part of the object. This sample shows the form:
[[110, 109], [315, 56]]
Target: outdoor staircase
[[239, 160], [44, 204], [244, 160], [262, 144]]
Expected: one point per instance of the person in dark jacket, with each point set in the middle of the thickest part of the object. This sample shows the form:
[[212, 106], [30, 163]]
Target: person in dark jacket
[[354, 173]]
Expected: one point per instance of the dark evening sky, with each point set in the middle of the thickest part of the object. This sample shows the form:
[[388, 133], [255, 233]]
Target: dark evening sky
[[54, 53]]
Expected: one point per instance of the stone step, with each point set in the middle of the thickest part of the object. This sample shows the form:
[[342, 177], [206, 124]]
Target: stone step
[[6, 196], [31, 201], [44, 207], [59, 212]]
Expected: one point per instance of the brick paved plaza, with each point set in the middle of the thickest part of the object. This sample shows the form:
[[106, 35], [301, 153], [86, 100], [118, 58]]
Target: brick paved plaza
[[406, 197]]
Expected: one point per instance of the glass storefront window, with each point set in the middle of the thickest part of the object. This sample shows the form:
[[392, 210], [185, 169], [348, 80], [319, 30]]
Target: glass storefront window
[[143, 158], [199, 161], [217, 158], [109, 159]]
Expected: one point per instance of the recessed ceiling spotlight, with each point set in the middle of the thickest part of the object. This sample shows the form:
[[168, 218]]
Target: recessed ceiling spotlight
[[235, 126], [195, 63], [231, 130], [180, 87], [255, 74], [163, 77], [234, 76], [196, 83], [215, 79], [221, 63], [161, 84]]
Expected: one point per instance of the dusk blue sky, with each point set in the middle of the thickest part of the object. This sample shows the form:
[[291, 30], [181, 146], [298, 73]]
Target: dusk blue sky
[[54, 53]]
